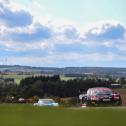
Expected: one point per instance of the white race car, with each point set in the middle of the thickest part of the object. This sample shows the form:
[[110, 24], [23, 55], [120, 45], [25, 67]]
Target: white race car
[[46, 102]]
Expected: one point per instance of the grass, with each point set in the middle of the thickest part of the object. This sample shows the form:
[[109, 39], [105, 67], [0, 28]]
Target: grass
[[67, 78], [28, 115], [17, 78]]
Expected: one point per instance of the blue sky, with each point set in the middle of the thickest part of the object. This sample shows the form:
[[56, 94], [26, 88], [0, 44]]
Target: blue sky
[[62, 33]]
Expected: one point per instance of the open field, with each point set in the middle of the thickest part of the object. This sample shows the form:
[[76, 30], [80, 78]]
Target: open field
[[67, 78], [28, 115], [17, 78]]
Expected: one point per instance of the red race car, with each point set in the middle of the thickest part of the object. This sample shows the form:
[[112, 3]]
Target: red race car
[[100, 95]]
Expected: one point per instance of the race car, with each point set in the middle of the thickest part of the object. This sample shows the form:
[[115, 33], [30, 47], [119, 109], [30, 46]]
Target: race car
[[100, 95], [46, 102]]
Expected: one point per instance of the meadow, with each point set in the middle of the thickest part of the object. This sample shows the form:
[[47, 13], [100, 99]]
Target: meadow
[[17, 78], [29, 115]]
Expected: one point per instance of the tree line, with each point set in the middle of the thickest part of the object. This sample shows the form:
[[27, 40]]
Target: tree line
[[43, 86]]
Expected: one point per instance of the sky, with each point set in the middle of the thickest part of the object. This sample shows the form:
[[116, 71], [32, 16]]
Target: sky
[[63, 33]]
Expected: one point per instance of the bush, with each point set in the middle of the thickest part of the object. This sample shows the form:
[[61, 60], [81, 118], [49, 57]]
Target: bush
[[69, 102]]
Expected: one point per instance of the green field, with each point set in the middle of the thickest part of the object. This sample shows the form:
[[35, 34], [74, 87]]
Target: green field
[[67, 78], [28, 115], [18, 78]]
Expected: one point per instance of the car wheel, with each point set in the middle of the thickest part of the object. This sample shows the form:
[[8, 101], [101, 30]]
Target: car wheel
[[118, 103]]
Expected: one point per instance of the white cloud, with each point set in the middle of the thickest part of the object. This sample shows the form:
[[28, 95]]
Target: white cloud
[[106, 31], [14, 18], [106, 40]]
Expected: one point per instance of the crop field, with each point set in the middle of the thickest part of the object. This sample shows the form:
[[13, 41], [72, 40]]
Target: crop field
[[29, 115]]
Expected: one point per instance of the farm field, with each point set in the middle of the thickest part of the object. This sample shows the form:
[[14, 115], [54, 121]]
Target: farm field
[[67, 78], [28, 115], [18, 78]]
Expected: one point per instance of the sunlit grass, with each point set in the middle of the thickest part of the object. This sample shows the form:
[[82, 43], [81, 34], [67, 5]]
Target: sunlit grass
[[67, 78], [17, 78]]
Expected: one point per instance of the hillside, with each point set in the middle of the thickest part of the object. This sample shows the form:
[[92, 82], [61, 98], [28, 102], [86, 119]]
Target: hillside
[[66, 70]]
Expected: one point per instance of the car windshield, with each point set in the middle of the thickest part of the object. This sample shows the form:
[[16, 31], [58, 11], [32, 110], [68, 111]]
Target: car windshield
[[47, 101], [102, 92]]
